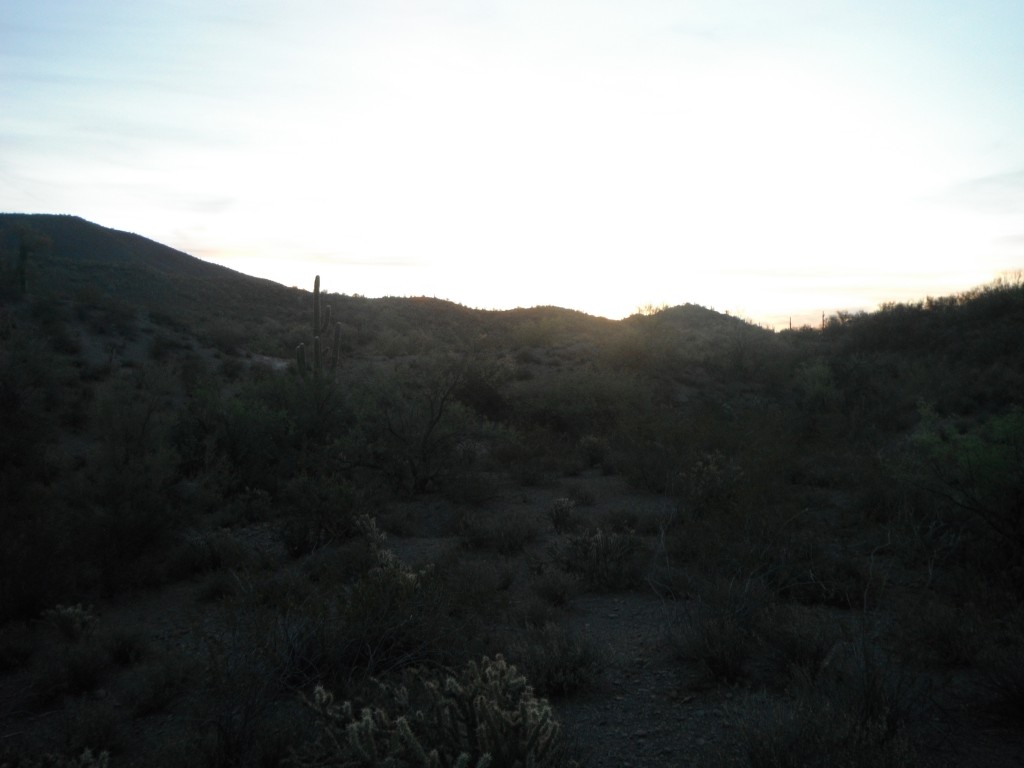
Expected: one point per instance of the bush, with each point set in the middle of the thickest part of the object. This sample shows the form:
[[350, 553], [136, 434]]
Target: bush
[[602, 559], [562, 514], [720, 631], [978, 472], [506, 535], [556, 661], [486, 715], [555, 587], [85, 759], [861, 712]]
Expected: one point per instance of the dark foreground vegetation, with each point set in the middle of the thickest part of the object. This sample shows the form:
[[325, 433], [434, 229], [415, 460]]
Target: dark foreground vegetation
[[212, 555]]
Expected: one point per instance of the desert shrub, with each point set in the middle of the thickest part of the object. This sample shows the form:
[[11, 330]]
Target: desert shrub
[[815, 382], [710, 483], [555, 660], [152, 687], [482, 386], [39, 532], [112, 316], [862, 711], [507, 534], [809, 573], [390, 617], [93, 724], [69, 668], [476, 589], [650, 444], [129, 498], [594, 451], [73, 622], [82, 666], [819, 733], [556, 587], [472, 487], [620, 520], [562, 514], [200, 552], [580, 495], [394, 617], [977, 472], [797, 642], [256, 437], [485, 715], [84, 759], [410, 427], [322, 511], [162, 345], [587, 402], [720, 630], [337, 564], [226, 337], [602, 559]]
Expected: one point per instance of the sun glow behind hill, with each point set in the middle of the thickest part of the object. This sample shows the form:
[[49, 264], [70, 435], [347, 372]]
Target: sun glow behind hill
[[772, 165]]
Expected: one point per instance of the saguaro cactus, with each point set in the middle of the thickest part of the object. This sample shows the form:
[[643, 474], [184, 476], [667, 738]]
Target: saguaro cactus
[[319, 327]]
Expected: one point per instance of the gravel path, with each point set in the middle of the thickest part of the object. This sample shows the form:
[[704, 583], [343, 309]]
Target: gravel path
[[640, 714]]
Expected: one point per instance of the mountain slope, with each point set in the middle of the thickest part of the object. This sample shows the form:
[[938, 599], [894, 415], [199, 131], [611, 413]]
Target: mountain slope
[[133, 269]]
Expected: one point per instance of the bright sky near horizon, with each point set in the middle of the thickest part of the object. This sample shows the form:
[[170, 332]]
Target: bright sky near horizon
[[768, 159]]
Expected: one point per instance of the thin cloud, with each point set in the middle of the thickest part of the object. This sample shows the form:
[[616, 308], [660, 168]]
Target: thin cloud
[[1010, 241], [999, 193]]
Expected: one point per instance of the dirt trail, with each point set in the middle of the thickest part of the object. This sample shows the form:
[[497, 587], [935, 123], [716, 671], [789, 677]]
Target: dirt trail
[[640, 714]]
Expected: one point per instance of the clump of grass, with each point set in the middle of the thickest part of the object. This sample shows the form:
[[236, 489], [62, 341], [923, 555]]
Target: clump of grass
[[562, 514], [720, 631], [861, 711], [556, 661], [555, 587], [126, 647], [93, 724], [798, 643], [73, 622], [580, 495], [507, 535], [602, 559], [819, 733], [151, 688]]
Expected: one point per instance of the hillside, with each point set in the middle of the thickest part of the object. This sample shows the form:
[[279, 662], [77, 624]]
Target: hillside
[[84, 260], [701, 542]]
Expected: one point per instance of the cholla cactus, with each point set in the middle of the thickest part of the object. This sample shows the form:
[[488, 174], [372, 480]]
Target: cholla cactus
[[72, 621], [485, 716], [320, 325]]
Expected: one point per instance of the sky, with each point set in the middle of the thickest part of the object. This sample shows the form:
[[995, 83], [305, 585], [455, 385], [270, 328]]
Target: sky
[[770, 159]]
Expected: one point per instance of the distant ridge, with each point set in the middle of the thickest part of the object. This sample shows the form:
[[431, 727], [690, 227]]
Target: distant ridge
[[85, 258]]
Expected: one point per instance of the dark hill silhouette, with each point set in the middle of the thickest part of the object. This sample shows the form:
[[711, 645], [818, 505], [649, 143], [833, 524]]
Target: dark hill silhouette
[[133, 269], [84, 256]]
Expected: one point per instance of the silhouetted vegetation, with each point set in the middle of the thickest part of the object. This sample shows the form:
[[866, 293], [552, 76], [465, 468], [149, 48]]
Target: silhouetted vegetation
[[204, 532]]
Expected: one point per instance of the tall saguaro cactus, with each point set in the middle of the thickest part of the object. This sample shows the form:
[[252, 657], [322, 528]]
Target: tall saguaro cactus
[[319, 327]]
